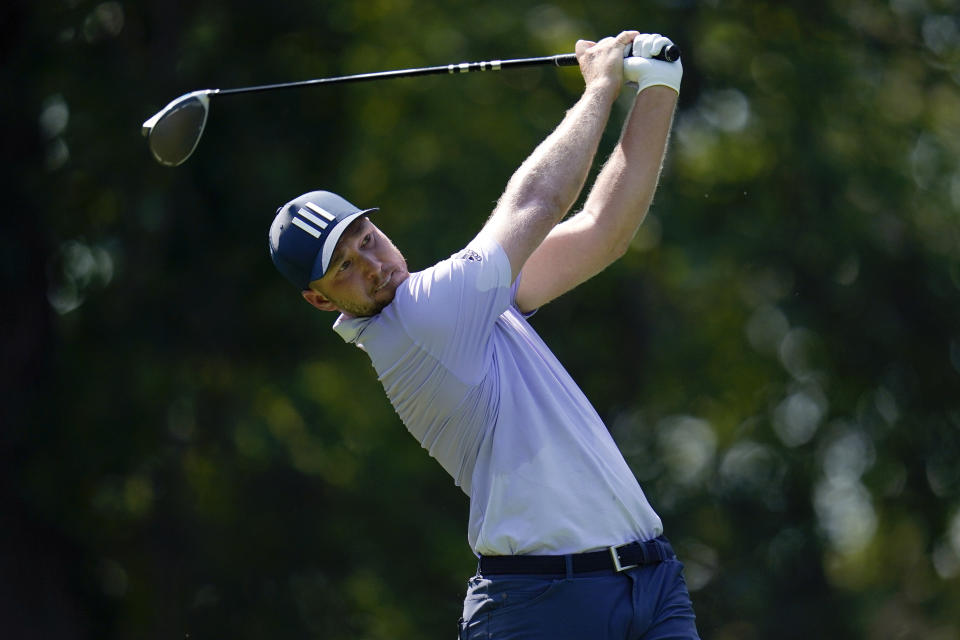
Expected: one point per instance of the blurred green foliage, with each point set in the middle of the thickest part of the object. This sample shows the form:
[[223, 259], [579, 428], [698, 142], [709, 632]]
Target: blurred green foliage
[[188, 451]]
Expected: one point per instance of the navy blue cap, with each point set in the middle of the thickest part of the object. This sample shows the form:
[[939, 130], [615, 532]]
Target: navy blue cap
[[305, 232]]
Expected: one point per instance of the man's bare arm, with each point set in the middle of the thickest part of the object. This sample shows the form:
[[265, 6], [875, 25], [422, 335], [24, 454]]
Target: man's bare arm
[[587, 243], [547, 184]]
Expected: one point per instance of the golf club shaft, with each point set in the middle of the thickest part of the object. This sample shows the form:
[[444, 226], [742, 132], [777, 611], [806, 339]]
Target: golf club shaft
[[669, 54], [560, 60]]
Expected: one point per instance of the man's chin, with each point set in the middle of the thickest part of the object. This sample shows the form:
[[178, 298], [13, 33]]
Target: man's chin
[[379, 300], [384, 297], [378, 304]]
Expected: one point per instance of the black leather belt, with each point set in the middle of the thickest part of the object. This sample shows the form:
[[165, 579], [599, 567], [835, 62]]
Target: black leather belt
[[617, 558]]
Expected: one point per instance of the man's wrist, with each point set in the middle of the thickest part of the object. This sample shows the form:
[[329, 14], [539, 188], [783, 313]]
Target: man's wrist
[[606, 89], [658, 85]]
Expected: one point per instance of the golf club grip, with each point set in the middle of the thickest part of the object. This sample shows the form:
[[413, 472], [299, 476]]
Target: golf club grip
[[670, 53]]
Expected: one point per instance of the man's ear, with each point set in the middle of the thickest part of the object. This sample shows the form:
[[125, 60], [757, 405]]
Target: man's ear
[[317, 299]]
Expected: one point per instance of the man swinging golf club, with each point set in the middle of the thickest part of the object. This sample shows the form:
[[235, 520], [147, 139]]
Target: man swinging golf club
[[568, 545]]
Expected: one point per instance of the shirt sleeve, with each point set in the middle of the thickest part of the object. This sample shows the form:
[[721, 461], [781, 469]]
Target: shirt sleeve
[[453, 307]]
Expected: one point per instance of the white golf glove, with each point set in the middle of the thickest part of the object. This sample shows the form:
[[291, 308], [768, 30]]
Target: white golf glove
[[642, 69]]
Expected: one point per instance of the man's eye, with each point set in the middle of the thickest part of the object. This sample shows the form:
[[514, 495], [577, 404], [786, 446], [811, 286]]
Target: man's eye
[[344, 265], [366, 240]]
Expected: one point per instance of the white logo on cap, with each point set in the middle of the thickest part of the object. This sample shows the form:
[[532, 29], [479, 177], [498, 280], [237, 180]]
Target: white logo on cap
[[313, 218]]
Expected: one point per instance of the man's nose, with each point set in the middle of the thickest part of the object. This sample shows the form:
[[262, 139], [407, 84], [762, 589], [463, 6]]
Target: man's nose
[[372, 267]]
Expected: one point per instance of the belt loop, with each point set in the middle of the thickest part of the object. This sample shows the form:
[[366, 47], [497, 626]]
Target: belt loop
[[660, 548], [568, 560], [662, 551]]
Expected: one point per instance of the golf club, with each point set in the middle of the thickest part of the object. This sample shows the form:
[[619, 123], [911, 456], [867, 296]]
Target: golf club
[[174, 131]]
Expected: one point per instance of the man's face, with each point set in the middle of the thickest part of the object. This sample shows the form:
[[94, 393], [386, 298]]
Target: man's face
[[364, 273]]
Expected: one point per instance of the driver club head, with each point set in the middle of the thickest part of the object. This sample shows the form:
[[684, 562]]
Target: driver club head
[[174, 131]]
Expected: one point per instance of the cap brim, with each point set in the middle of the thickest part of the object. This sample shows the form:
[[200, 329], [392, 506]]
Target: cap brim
[[322, 262]]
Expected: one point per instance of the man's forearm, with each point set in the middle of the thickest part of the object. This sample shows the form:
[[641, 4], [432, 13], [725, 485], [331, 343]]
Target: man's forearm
[[624, 189], [557, 169], [547, 184]]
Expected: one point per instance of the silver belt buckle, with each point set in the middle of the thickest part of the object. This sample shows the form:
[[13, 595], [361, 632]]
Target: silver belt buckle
[[615, 554]]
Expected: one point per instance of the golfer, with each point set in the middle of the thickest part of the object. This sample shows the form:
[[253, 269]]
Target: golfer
[[568, 545]]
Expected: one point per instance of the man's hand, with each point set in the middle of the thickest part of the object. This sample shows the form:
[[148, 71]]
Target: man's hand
[[642, 70], [601, 63]]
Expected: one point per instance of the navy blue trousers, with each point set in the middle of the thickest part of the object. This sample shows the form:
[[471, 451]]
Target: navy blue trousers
[[644, 603]]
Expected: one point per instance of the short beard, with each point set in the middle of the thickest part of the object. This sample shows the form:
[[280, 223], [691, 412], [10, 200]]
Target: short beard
[[360, 310]]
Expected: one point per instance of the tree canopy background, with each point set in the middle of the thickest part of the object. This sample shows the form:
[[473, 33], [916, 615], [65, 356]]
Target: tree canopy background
[[189, 451]]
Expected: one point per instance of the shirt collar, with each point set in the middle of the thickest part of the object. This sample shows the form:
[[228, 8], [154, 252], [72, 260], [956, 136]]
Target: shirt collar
[[350, 328]]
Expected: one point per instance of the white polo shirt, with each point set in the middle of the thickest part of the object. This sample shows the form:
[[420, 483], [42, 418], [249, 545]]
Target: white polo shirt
[[482, 393]]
